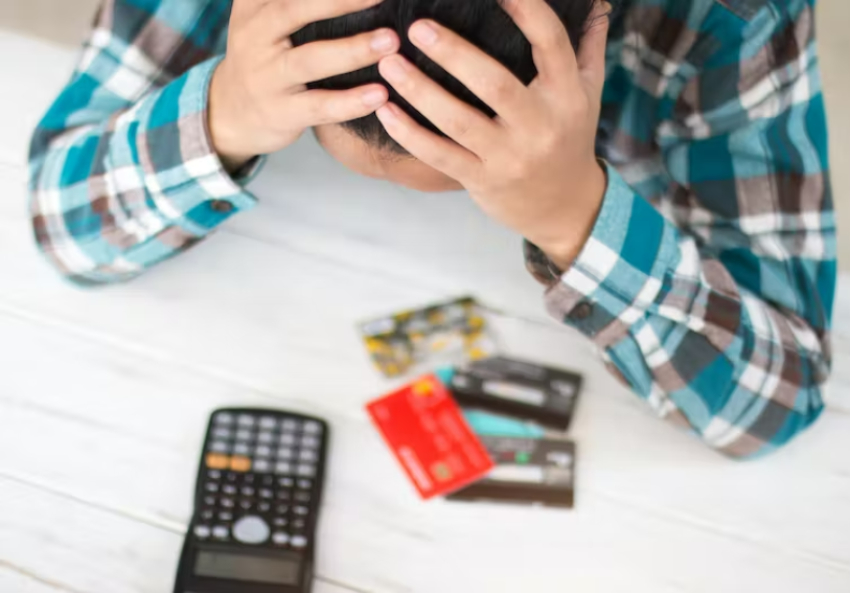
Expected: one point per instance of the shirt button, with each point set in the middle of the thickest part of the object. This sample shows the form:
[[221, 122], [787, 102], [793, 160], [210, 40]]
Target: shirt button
[[582, 311], [221, 206]]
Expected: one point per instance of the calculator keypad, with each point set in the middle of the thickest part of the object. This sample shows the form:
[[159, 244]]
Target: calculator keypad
[[259, 480]]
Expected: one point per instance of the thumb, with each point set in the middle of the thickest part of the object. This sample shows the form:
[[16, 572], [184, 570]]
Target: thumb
[[591, 51]]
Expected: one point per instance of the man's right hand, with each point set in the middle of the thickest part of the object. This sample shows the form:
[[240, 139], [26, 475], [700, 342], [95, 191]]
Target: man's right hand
[[259, 101]]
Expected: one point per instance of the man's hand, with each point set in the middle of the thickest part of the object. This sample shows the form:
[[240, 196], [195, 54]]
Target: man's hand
[[533, 168], [259, 102]]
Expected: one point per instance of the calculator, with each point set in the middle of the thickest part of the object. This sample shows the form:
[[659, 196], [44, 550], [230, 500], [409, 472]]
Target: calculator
[[256, 504]]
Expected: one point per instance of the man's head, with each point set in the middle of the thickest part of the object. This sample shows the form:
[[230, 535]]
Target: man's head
[[363, 144]]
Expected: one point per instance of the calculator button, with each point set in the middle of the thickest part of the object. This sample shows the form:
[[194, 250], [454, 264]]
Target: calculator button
[[225, 516], [245, 504], [262, 465], [219, 447], [227, 502], [262, 451], [248, 479], [223, 418], [229, 489], [241, 449], [268, 422], [281, 509], [308, 455], [222, 432], [283, 467], [305, 484], [206, 515], [287, 439], [285, 453], [246, 420], [247, 491], [306, 469], [302, 496], [251, 530], [202, 532], [283, 495], [310, 442], [302, 511], [264, 507], [280, 538], [243, 435], [240, 464], [268, 480], [279, 522], [209, 501], [214, 474], [266, 493], [231, 476], [286, 482], [289, 425], [265, 437], [217, 461], [220, 532], [211, 487], [312, 427], [298, 524], [299, 541]]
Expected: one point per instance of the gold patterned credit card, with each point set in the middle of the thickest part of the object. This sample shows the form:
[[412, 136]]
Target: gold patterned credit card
[[421, 340]]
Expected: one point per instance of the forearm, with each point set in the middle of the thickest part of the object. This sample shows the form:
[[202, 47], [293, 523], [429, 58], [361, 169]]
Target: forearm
[[740, 367], [111, 199]]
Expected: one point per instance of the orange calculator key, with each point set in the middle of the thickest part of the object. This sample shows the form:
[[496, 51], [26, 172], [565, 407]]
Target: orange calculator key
[[240, 464], [217, 461]]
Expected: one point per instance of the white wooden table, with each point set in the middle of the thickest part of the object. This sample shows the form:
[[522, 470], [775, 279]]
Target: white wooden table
[[104, 395]]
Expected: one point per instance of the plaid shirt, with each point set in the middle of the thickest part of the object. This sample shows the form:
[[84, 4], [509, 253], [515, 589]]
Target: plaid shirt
[[709, 276]]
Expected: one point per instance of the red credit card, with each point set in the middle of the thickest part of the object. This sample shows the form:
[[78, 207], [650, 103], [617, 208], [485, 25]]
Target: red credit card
[[425, 429]]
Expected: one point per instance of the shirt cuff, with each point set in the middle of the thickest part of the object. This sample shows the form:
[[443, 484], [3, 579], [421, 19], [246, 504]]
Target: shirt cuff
[[618, 275], [185, 177]]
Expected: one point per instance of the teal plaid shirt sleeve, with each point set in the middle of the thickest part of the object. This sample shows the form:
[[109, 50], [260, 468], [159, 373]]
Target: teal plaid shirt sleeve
[[123, 174], [709, 285]]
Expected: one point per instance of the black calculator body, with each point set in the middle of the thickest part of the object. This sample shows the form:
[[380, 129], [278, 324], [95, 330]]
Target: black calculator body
[[256, 504]]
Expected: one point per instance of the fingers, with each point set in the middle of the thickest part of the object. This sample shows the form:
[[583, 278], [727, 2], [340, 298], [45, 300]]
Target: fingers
[[489, 80], [323, 59], [440, 153], [461, 122], [320, 107], [591, 52], [284, 17], [553, 53]]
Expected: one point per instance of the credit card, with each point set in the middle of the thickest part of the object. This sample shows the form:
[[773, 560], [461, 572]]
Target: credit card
[[419, 340], [528, 471], [511, 387], [426, 431]]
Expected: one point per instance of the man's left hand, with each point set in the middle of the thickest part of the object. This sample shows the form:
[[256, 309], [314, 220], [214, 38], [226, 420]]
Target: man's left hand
[[533, 167]]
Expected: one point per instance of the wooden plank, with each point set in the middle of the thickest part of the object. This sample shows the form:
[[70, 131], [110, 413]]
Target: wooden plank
[[93, 427], [52, 543]]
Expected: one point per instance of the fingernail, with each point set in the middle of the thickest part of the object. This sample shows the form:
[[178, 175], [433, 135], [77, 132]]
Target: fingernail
[[374, 98], [394, 69], [424, 33], [387, 114], [383, 42]]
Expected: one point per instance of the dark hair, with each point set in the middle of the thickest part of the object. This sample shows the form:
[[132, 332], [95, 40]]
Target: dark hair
[[483, 22]]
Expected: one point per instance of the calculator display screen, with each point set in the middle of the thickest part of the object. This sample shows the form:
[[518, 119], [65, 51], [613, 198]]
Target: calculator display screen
[[247, 568]]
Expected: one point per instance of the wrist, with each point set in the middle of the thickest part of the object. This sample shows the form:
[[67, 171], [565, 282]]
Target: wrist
[[564, 247], [225, 132]]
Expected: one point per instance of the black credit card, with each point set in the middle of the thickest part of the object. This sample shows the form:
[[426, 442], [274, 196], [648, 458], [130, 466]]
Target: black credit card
[[528, 471], [516, 388]]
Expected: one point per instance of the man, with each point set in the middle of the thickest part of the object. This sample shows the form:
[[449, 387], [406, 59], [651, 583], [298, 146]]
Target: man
[[699, 255]]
